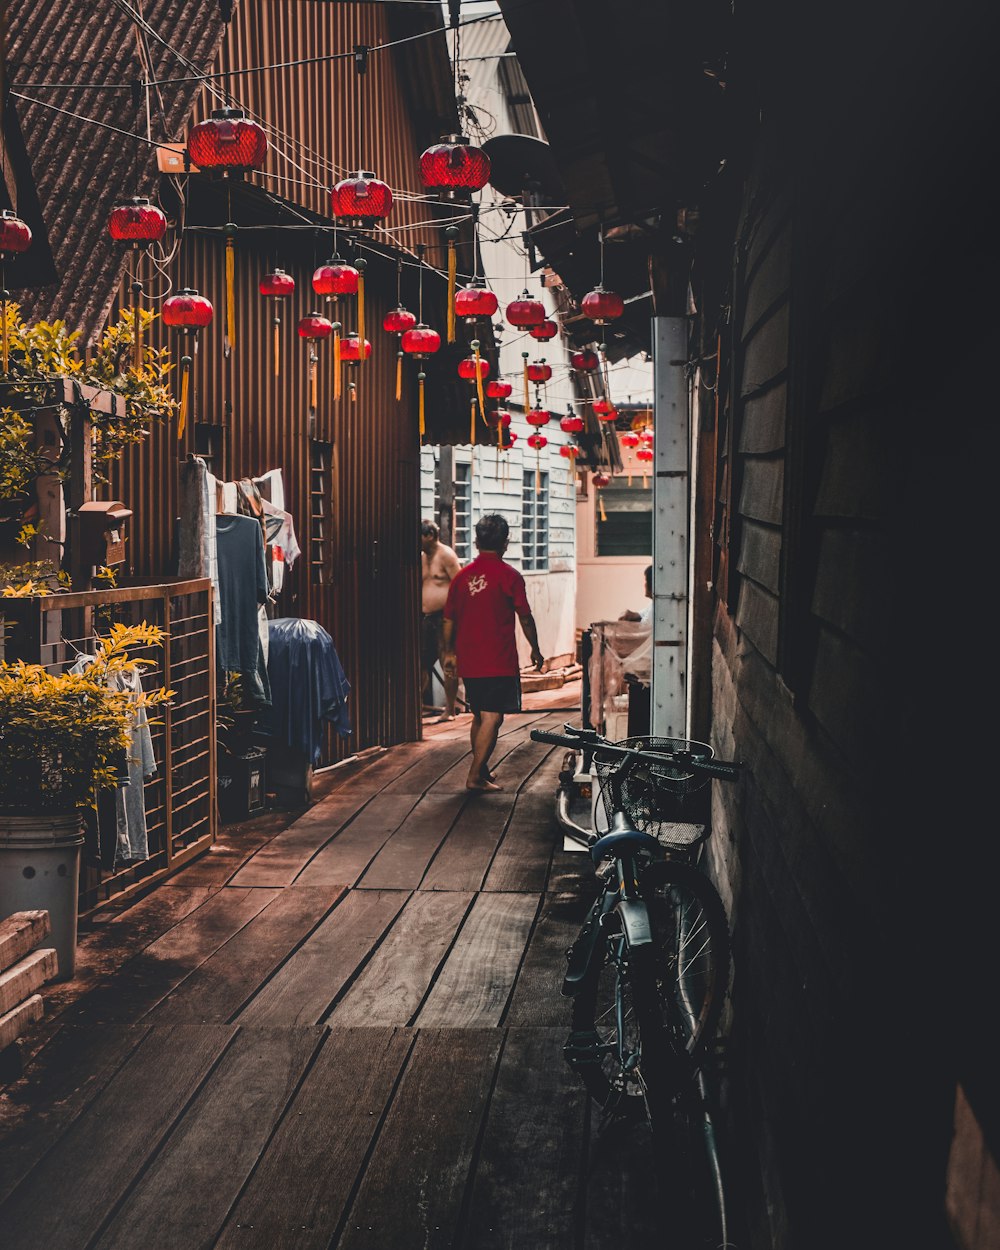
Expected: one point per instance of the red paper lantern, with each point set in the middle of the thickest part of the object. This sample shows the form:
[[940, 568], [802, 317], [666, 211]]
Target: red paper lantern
[[569, 451], [605, 410], [15, 234], [539, 372], [537, 441], [629, 440], [474, 301], [525, 312], [137, 222], [353, 349], [454, 166], [361, 199], [498, 390], [336, 277], [493, 419], [602, 306], [571, 424], [600, 479], [510, 438], [586, 360], [420, 342], [538, 416], [187, 311], [547, 330], [228, 142], [315, 326], [398, 321], [644, 454], [277, 284], [467, 368]]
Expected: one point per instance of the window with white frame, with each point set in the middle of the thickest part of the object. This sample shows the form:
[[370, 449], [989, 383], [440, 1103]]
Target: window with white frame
[[462, 533], [534, 521], [625, 523]]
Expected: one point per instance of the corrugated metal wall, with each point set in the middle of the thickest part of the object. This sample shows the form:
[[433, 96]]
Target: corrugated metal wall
[[370, 603]]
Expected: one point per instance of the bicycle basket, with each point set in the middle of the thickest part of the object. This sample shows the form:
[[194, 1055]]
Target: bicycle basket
[[652, 795]]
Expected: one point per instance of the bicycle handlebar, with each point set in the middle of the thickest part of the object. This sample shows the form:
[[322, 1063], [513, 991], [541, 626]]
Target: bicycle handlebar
[[726, 770]]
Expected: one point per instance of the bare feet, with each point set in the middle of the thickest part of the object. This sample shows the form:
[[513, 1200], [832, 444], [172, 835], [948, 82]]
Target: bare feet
[[483, 786], [487, 774], [444, 717]]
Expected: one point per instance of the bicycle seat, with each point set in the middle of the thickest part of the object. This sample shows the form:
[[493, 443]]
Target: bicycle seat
[[621, 839]]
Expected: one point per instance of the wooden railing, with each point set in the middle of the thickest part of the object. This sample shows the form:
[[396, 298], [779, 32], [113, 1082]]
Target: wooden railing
[[180, 798]]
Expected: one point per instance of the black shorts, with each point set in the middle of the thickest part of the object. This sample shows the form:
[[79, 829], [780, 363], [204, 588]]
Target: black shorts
[[493, 694], [430, 639]]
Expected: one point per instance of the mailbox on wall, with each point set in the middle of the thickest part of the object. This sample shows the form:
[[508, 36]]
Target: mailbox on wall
[[102, 531]]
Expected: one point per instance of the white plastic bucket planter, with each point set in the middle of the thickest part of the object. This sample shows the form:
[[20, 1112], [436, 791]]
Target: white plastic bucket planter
[[40, 870]]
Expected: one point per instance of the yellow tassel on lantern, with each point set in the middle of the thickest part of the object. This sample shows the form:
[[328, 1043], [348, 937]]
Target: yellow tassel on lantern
[[600, 500], [313, 372], [479, 381], [6, 338], [538, 474], [277, 347], [185, 389], [230, 288], [399, 375], [452, 275], [361, 312], [645, 484], [472, 424], [336, 360], [420, 406], [527, 397], [354, 392]]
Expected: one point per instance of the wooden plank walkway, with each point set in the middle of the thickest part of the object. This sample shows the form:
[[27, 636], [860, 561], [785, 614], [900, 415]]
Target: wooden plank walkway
[[344, 1033]]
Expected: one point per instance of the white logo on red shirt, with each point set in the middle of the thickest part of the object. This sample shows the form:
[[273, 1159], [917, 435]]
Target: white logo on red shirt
[[476, 584]]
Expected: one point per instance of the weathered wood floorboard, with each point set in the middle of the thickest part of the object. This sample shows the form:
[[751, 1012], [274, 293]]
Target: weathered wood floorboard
[[403, 860], [219, 987], [302, 990], [392, 986], [299, 1191], [424, 1153], [184, 1198], [63, 1201], [526, 1190], [347, 856], [464, 857], [475, 983], [521, 862], [537, 1000]]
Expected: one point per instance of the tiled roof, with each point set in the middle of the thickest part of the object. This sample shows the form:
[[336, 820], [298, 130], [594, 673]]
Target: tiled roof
[[81, 170]]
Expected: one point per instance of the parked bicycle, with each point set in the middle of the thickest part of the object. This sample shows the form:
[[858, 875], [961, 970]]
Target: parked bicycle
[[649, 969]]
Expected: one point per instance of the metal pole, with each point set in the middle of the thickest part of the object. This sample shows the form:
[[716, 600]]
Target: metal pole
[[671, 527]]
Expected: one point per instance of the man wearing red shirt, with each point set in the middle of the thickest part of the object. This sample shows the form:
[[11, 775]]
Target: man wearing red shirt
[[478, 641]]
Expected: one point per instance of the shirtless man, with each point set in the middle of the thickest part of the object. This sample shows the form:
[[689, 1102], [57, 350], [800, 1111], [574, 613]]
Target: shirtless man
[[438, 564]]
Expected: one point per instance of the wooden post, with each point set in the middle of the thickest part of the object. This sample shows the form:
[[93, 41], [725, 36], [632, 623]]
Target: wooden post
[[168, 736], [81, 485], [446, 516]]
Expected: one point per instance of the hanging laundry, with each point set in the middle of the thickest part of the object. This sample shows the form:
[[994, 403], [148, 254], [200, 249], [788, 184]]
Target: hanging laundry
[[309, 686], [244, 589], [131, 844], [196, 544]]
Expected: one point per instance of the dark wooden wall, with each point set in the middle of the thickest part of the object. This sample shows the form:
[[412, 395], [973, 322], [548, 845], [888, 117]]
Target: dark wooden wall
[[850, 496]]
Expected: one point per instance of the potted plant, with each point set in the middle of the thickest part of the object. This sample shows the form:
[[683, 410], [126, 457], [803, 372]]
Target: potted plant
[[63, 738]]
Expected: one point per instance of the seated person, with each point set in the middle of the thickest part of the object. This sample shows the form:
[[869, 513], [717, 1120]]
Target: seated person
[[645, 617]]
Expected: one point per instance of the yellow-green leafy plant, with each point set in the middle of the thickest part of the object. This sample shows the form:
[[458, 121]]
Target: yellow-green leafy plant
[[63, 736], [44, 351]]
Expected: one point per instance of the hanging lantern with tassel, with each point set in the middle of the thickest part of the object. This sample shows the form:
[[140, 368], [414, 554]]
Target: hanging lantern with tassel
[[227, 143], [600, 480], [499, 421], [537, 442], [585, 361], [475, 370], [314, 328], [498, 389], [139, 223], [454, 168], [602, 306], [333, 280], [188, 312], [420, 343], [645, 455], [525, 313], [15, 237], [572, 424], [629, 440], [397, 321], [354, 351], [475, 302], [277, 285], [539, 372], [547, 330], [538, 417], [361, 201], [604, 410], [570, 451]]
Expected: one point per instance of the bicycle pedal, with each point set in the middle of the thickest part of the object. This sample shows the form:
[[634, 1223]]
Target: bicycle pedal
[[582, 1049]]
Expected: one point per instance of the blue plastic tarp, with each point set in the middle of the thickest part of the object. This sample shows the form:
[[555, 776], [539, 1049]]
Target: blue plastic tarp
[[308, 685]]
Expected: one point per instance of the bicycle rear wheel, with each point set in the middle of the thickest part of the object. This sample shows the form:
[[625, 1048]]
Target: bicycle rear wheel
[[632, 1028]]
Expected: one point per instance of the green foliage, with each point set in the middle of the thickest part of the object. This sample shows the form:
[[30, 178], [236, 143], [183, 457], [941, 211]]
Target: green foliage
[[63, 736], [45, 351]]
